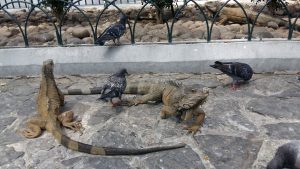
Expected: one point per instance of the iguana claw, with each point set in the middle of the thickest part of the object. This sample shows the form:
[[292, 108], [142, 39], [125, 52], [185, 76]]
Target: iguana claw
[[75, 126], [192, 129]]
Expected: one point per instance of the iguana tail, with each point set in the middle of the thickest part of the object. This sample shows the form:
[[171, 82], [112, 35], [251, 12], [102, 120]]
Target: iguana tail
[[108, 151], [85, 91]]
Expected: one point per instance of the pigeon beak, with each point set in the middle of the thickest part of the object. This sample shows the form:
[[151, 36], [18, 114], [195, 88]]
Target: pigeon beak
[[213, 66]]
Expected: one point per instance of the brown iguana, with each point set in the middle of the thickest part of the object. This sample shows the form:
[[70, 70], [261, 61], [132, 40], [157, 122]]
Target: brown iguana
[[236, 15], [177, 100], [49, 101]]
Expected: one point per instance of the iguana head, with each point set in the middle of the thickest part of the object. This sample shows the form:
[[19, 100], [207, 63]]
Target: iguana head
[[47, 68]]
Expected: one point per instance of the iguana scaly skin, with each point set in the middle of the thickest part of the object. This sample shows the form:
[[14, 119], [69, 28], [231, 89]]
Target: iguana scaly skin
[[236, 15], [49, 101], [177, 101]]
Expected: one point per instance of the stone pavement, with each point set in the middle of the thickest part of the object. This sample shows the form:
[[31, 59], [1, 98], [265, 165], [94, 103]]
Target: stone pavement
[[242, 128]]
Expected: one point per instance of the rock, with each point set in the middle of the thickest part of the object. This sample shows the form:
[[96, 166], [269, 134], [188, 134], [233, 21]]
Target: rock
[[274, 107], [185, 36], [146, 38], [229, 152], [74, 40], [4, 31], [273, 25], [33, 29], [281, 131], [261, 32], [197, 34], [4, 122], [161, 33], [215, 34], [187, 157], [15, 41], [96, 162], [139, 30], [227, 35], [80, 32], [188, 24], [88, 40], [40, 37], [240, 36], [15, 31], [155, 39], [8, 155], [234, 28]]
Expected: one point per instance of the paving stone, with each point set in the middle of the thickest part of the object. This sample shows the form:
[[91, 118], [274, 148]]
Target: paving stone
[[276, 107], [223, 142], [4, 122], [97, 162], [283, 131], [8, 155], [229, 152], [179, 158]]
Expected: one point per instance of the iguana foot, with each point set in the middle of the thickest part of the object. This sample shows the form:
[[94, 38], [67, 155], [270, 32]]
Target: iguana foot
[[66, 119], [32, 131], [75, 126], [192, 129]]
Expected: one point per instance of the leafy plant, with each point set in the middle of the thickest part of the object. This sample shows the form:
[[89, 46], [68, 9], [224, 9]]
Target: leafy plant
[[160, 5], [273, 5], [58, 7]]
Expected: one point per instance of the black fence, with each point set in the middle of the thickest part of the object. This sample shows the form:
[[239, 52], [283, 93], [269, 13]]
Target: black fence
[[132, 25], [20, 4]]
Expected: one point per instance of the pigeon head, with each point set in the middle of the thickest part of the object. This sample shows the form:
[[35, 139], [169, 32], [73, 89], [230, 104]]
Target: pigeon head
[[217, 65], [121, 73], [123, 18]]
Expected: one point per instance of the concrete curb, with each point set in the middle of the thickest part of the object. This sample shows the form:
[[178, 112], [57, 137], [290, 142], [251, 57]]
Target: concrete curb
[[191, 58]]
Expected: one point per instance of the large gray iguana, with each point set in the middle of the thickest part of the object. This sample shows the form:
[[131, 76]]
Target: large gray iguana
[[49, 101], [177, 100], [236, 15]]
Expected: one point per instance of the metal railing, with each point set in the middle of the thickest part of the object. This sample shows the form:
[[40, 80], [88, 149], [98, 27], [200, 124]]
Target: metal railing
[[132, 27], [20, 4]]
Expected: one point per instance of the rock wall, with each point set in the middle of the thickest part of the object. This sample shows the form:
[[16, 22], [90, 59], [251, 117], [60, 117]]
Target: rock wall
[[190, 26]]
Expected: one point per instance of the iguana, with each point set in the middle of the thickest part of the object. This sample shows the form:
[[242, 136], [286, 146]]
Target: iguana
[[49, 101], [177, 100], [236, 15]]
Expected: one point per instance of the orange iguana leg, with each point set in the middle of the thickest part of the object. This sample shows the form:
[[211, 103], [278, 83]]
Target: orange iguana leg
[[33, 127], [66, 119], [195, 127]]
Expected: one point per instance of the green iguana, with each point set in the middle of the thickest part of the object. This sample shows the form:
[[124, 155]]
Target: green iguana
[[236, 15], [177, 100], [49, 101]]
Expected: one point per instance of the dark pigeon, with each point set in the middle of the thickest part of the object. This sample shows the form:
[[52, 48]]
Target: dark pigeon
[[113, 32], [114, 86], [287, 156], [236, 70]]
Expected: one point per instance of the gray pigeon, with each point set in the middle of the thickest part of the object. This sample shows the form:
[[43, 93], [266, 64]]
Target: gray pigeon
[[287, 156], [236, 70], [113, 32], [114, 86]]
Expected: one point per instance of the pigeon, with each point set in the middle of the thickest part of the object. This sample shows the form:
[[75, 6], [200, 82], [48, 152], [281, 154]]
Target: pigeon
[[287, 156], [113, 32], [114, 86], [236, 70]]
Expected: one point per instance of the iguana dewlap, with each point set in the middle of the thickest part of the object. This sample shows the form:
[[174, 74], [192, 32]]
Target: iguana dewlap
[[49, 101]]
